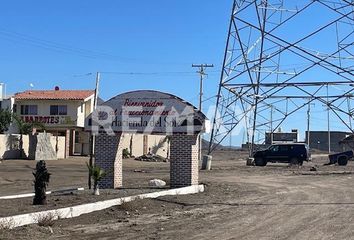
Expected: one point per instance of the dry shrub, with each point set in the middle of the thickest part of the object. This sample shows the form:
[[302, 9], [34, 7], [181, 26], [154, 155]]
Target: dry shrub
[[136, 204], [46, 220], [7, 224]]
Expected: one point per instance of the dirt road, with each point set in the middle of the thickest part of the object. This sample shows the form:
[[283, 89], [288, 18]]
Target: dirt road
[[240, 202]]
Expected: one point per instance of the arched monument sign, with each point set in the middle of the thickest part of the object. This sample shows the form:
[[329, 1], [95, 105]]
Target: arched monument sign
[[148, 112]]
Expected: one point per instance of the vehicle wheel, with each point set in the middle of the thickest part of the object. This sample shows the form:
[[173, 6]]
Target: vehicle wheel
[[294, 161], [260, 162], [342, 161]]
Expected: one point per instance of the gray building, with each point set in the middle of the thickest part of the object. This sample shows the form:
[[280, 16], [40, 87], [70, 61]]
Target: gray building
[[281, 137], [319, 140]]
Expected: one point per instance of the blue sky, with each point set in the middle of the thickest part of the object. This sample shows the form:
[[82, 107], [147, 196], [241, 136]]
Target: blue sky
[[49, 43]]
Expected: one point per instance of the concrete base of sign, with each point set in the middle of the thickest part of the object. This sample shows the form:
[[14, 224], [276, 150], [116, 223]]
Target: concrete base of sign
[[206, 164], [75, 211], [250, 161]]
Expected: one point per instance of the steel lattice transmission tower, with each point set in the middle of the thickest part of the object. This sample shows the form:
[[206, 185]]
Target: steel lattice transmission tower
[[281, 56]]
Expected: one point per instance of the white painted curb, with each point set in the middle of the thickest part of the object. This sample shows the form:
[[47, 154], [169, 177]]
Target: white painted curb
[[75, 211], [32, 194]]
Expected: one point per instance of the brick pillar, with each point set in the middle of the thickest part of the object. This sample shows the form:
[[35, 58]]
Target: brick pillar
[[184, 160], [108, 156]]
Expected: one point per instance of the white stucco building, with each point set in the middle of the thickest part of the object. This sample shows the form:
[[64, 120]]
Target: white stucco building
[[62, 112]]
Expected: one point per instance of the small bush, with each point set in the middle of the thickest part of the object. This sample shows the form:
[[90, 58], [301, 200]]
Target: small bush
[[7, 224], [46, 220], [136, 204]]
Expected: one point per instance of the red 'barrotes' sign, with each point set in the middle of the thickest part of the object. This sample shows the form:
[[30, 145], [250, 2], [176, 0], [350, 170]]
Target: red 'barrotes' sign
[[50, 120]]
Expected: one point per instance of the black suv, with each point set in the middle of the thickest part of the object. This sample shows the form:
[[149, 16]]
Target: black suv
[[294, 153]]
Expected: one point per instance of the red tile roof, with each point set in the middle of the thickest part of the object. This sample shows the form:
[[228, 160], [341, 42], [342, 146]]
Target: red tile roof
[[54, 94]]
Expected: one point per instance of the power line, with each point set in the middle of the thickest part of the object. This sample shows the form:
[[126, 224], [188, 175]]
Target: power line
[[149, 73], [58, 47], [67, 49], [82, 75]]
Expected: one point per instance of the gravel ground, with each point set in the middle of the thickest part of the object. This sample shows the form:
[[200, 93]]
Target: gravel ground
[[240, 202], [56, 200]]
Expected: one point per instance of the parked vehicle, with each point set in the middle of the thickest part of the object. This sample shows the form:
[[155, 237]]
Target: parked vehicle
[[341, 158], [294, 153]]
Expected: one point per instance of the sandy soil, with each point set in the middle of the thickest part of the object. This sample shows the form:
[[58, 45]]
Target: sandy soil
[[240, 202], [16, 177]]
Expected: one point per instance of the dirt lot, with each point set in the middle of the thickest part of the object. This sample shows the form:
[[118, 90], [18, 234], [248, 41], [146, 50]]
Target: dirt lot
[[240, 202]]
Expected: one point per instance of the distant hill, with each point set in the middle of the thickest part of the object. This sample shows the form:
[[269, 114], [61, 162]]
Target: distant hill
[[205, 146]]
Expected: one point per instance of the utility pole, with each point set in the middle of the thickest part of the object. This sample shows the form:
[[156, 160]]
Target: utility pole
[[350, 115], [271, 124], [329, 132], [308, 123], [92, 137], [201, 68], [202, 74], [98, 76]]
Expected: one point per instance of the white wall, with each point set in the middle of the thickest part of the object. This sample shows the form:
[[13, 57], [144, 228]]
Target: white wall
[[89, 107], [157, 144], [9, 148], [7, 103], [59, 142], [80, 117]]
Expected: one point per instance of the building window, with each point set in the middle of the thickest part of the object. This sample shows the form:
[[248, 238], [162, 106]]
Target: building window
[[58, 109], [29, 110]]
